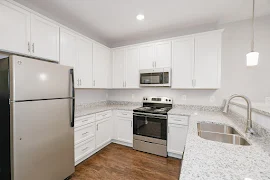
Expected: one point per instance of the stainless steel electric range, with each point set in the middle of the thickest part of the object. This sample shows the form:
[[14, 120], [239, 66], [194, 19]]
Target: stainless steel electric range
[[150, 125]]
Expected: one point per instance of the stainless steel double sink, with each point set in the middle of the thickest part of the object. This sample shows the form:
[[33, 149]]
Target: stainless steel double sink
[[220, 133]]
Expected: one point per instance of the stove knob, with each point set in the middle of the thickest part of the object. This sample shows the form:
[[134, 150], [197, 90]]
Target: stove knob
[[166, 99], [170, 100], [146, 99]]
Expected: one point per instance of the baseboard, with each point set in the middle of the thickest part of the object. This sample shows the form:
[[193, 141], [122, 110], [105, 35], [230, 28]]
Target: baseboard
[[122, 143], [178, 156], [92, 153]]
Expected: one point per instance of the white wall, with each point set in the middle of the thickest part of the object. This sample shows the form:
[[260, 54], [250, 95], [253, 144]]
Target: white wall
[[90, 95], [236, 77]]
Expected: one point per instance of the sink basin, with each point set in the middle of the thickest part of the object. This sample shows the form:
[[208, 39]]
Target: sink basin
[[220, 133], [219, 128], [225, 138]]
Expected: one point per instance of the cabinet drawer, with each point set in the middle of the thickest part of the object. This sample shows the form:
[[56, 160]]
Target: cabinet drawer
[[124, 114], [84, 132], [84, 120], [103, 115], [84, 148], [173, 119]]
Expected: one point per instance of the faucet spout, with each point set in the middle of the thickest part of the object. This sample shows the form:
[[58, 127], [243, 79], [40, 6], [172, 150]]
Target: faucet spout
[[249, 120]]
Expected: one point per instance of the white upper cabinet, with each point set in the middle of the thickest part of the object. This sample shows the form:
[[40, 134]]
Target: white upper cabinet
[[68, 52], [196, 61], [207, 60], [163, 54], [182, 62], [101, 62], [126, 68], [84, 63], [132, 68], [14, 28], [146, 56], [119, 56], [44, 38], [156, 55]]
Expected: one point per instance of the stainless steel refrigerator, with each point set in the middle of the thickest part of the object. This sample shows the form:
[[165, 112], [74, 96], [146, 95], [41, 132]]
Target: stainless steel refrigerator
[[36, 120]]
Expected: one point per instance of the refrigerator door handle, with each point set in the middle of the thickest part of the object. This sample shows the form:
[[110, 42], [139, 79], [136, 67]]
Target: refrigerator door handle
[[73, 97]]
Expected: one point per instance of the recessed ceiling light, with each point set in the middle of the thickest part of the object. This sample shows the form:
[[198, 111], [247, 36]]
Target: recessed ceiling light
[[140, 17]]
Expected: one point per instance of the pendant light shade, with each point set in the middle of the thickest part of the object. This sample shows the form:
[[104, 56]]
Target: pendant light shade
[[252, 57]]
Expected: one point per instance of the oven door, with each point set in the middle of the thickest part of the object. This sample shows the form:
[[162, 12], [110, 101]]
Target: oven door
[[150, 125]]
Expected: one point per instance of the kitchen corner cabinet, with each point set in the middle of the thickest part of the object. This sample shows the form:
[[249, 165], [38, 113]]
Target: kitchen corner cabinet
[[126, 68], [196, 61], [101, 63], [156, 55]]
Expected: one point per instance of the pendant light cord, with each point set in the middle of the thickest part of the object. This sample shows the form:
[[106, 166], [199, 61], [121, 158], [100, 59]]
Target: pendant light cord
[[252, 42]]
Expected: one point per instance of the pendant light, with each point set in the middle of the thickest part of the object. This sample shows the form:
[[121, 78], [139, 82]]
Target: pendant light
[[252, 57]]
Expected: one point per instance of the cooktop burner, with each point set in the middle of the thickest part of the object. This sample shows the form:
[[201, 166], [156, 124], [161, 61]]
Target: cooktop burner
[[154, 110]]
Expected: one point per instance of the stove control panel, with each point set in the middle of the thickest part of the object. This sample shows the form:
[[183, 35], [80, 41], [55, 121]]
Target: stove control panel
[[164, 100]]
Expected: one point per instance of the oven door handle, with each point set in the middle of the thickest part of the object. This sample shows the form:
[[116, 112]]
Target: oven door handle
[[150, 116]]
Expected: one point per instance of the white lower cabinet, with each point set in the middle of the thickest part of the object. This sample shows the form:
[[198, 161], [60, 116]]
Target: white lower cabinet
[[125, 130], [177, 133], [84, 148], [103, 132]]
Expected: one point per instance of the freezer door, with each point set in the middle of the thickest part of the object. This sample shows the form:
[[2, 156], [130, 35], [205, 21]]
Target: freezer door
[[32, 79], [42, 140]]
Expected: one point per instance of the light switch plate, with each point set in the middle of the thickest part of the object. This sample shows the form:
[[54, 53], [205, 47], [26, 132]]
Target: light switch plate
[[267, 100]]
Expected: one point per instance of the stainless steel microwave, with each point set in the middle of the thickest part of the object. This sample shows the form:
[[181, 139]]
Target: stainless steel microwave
[[155, 77]]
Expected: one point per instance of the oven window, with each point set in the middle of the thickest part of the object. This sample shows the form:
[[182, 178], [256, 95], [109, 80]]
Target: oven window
[[151, 78], [150, 127]]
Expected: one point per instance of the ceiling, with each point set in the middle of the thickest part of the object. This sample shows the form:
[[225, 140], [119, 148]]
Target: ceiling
[[114, 21]]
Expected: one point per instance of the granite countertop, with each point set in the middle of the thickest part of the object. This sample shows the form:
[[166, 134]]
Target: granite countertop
[[100, 108], [210, 160]]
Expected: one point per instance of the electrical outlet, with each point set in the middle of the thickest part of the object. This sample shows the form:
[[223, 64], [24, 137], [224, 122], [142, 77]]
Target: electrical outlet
[[267, 100], [212, 99], [107, 95], [183, 97], [132, 96]]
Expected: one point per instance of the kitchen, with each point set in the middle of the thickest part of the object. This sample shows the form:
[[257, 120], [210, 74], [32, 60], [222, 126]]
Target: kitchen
[[101, 90]]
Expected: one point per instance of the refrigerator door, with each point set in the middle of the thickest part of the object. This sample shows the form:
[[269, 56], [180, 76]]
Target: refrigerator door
[[42, 140], [32, 79]]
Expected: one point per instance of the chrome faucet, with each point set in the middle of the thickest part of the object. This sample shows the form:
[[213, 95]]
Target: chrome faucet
[[249, 121]]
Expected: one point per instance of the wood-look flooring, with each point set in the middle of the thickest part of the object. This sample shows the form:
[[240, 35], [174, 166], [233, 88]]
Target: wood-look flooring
[[117, 162]]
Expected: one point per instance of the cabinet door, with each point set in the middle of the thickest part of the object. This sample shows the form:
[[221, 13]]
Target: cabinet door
[[146, 56], [44, 38], [182, 62], [132, 68], [207, 61], [119, 56], [177, 138], [84, 62], [103, 132], [124, 130], [100, 66], [15, 28], [163, 54]]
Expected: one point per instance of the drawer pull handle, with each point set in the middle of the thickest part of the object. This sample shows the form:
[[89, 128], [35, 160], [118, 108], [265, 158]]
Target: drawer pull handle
[[85, 133], [85, 120], [85, 149], [124, 114]]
